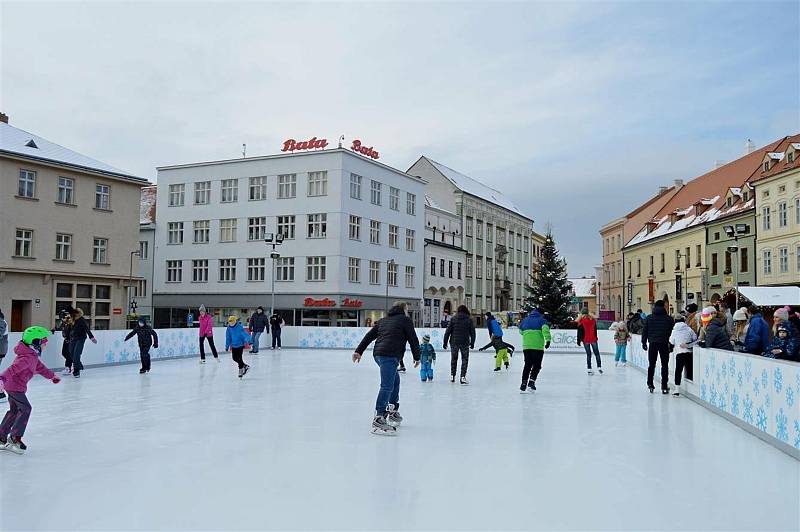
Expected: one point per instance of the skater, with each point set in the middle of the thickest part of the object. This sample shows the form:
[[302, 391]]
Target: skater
[[275, 324], [621, 338], [427, 358], [657, 328], [461, 334], [77, 338], [258, 324], [587, 334], [65, 326], [146, 337], [783, 346], [682, 341], [3, 343], [390, 335], [14, 380], [235, 339], [535, 333], [501, 351], [206, 334]]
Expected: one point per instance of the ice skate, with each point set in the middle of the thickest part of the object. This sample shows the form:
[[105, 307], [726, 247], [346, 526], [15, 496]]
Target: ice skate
[[244, 371], [452, 378], [624, 364], [497, 369], [600, 371], [241, 372], [14, 445], [142, 371], [590, 372], [66, 371], [523, 389], [507, 366], [202, 360], [532, 385], [464, 381], [676, 393], [651, 388], [2, 397], [616, 364], [393, 417], [402, 369], [664, 391], [380, 427], [76, 375]]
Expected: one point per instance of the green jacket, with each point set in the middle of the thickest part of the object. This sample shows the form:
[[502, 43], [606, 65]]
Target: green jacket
[[535, 331]]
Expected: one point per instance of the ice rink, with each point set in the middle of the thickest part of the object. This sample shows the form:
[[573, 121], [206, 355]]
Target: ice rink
[[191, 447]]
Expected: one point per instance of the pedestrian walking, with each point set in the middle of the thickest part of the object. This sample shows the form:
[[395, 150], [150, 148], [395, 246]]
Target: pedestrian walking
[[235, 339], [535, 333], [682, 339], [390, 334], [275, 325], [460, 333], [77, 338], [206, 334], [258, 324], [146, 337], [587, 334], [655, 340]]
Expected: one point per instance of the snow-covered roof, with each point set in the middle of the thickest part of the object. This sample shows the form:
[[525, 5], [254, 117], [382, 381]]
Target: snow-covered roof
[[476, 188], [796, 145], [736, 191], [18, 141], [430, 202], [771, 296], [777, 155], [583, 287], [147, 205]]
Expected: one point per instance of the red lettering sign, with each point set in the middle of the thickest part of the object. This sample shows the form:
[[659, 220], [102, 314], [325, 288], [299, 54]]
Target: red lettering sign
[[311, 302], [117, 311], [313, 143], [363, 150], [352, 303]]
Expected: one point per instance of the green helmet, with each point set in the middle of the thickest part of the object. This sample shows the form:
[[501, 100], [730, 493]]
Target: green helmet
[[37, 332]]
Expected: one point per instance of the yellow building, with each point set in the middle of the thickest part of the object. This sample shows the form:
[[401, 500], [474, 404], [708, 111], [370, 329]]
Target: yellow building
[[777, 191]]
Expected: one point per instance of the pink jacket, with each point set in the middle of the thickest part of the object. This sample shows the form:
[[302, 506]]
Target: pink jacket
[[15, 378], [206, 325]]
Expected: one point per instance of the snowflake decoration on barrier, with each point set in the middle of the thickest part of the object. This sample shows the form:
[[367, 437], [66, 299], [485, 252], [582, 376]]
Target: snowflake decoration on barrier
[[713, 361], [748, 409], [721, 402], [764, 379], [767, 401], [727, 388], [713, 398], [777, 379], [724, 368], [797, 434], [707, 371], [761, 419], [735, 403], [303, 342], [732, 367], [703, 391], [797, 381], [756, 387], [740, 379], [109, 357], [748, 369], [789, 396], [781, 429]]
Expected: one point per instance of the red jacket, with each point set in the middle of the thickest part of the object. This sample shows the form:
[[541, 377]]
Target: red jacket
[[206, 326], [587, 331], [27, 364]]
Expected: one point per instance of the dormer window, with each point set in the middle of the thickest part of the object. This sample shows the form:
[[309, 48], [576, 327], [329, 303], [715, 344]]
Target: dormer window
[[790, 158], [729, 201], [766, 166], [650, 227], [746, 195]]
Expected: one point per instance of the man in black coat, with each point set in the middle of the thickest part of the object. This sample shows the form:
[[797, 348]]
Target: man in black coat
[[259, 323], [461, 335], [656, 332]]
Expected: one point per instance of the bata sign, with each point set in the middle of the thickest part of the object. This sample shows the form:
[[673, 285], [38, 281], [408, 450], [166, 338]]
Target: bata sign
[[352, 303], [328, 302], [311, 144], [363, 150]]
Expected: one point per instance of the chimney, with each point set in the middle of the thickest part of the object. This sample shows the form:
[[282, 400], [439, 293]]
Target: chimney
[[749, 147], [678, 183], [719, 162], [661, 190], [4, 118]]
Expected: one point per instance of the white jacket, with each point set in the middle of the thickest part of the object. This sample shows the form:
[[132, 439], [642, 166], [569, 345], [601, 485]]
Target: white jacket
[[682, 334]]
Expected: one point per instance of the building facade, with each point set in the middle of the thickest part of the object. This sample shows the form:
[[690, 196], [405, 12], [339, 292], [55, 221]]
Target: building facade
[[67, 226], [497, 237], [444, 264], [730, 258], [611, 291], [352, 228], [583, 294], [141, 293]]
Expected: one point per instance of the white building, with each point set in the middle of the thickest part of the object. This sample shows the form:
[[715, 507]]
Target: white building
[[142, 291], [497, 237], [353, 231], [445, 258]]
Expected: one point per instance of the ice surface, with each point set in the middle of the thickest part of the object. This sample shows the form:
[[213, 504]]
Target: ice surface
[[191, 447]]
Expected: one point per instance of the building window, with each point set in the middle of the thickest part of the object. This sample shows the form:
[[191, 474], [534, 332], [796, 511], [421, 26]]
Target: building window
[[411, 204], [797, 211], [230, 190], [629, 270], [355, 186], [743, 266], [433, 266], [66, 190], [286, 226], [478, 268], [202, 193], [663, 262], [355, 227], [766, 166], [714, 266], [394, 198], [139, 288], [317, 225], [688, 258], [175, 233], [677, 260], [144, 248], [258, 188], [318, 183], [200, 271], [728, 263], [354, 270], [285, 269], [176, 195], [410, 238], [797, 258], [63, 246], [374, 272], [375, 192], [374, 232], [450, 269], [315, 268], [651, 267], [767, 262], [409, 277], [174, 271], [469, 268], [102, 197], [468, 229], [441, 267], [256, 228], [716, 236], [391, 273], [746, 196], [100, 251], [227, 230], [227, 270], [765, 219], [783, 218], [783, 260], [638, 267], [393, 236], [698, 252], [459, 270], [27, 184], [287, 186], [256, 269], [479, 229], [202, 230]]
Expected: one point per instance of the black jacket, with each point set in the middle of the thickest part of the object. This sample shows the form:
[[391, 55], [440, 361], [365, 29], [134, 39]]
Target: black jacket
[[391, 334], [146, 336], [635, 325], [259, 322], [717, 336], [461, 331], [80, 330], [276, 322], [657, 327]]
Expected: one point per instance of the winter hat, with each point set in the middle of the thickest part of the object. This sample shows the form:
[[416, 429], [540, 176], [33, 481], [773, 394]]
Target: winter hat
[[202, 308], [691, 307], [707, 315], [426, 338], [142, 322], [740, 315], [659, 303], [782, 327], [232, 320], [782, 313]]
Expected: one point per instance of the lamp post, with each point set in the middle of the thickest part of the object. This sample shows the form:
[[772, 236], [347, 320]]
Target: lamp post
[[388, 262], [685, 271], [273, 240], [734, 231], [130, 283]]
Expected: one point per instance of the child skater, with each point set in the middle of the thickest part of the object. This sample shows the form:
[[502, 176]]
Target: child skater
[[147, 338], [235, 339], [427, 356], [682, 340], [15, 381], [621, 337], [501, 350]]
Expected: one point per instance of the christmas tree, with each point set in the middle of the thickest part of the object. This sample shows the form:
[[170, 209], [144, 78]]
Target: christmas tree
[[549, 288]]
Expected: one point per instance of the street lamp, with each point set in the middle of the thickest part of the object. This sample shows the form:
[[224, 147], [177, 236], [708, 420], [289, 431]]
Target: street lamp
[[734, 231], [273, 240], [388, 262], [131, 304]]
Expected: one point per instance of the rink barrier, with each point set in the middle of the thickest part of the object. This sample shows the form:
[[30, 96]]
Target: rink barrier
[[760, 395]]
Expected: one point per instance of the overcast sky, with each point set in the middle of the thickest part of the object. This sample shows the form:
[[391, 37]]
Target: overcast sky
[[578, 111]]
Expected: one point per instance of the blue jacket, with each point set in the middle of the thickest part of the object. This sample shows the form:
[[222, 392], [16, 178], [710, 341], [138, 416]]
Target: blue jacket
[[757, 338], [494, 328], [426, 353], [235, 336]]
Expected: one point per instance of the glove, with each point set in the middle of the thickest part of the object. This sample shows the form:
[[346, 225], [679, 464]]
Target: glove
[[55, 380], [155, 346], [444, 346], [472, 346], [644, 346], [547, 345]]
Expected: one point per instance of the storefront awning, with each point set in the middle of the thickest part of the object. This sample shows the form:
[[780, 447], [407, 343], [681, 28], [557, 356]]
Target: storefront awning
[[771, 296]]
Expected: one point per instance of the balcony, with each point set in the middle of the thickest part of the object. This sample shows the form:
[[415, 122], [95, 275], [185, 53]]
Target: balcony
[[502, 284]]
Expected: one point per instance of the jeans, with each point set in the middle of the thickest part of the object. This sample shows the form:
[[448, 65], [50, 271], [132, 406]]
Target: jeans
[[390, 384], [654, 351], [210, 343], [454, 350], [276, 338], [619, 356], [589, 348], [256, 336], [76, 350], [683, 360], [16, 419], [533, 364], [144, 354], [426, 371], [236, 354]]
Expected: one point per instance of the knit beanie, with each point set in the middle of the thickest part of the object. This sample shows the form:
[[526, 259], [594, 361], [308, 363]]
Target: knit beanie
[[426, 338], [782, 313], [659, 303], [707, 315], [740, 315]]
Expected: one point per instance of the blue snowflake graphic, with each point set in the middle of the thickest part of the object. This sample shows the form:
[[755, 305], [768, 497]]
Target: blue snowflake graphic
[[735, 403], [764, 378], [724, 368], [797, 381], [789, 396], [777, 379], [109, 357], [740, 379], [727, 388], [748, 369], [732, 367], [703, 391], [767, 400], [756, 387], [707, 371], [719, 376], [713, 399], [748, 409], [781, 430], [303, 342], [713, 361], [721, 403], [797, 434], [761, 419]]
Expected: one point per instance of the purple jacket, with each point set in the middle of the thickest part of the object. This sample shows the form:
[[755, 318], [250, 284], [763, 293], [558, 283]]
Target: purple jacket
[[15, 378], [206, 326]]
